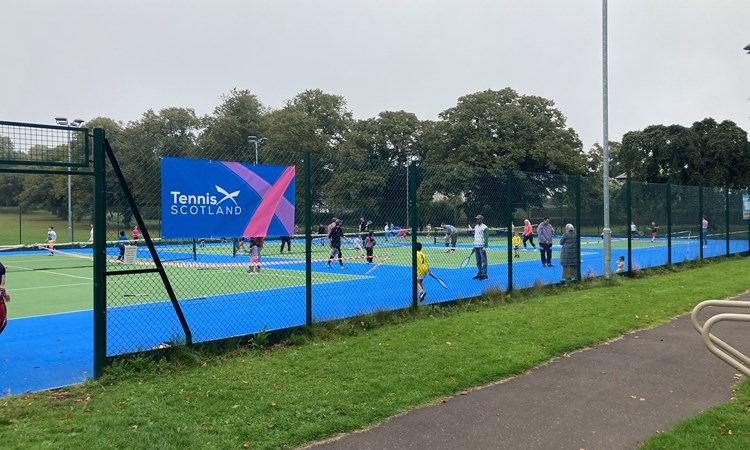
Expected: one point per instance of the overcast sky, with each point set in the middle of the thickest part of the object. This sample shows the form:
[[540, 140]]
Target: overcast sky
[[670, 61]]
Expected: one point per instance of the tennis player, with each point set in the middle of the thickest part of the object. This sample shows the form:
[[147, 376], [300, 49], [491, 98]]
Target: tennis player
[[481, 240], [121, 241], [422, 270], [2, 275], [254, 258], [451, 235], [334, 240], [51, 238], [4, 298]]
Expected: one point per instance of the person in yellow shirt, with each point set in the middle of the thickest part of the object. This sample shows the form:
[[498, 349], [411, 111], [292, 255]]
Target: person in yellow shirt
[[422, 270], [517, 244]]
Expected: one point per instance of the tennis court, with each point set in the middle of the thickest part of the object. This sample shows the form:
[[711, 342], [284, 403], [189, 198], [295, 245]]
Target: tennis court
[[49, 338]]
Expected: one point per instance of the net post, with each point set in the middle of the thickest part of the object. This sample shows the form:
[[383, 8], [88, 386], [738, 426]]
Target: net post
[[669, 223], [100, 256], [509, 224], [308, 240], [414, 220], [629, 207]]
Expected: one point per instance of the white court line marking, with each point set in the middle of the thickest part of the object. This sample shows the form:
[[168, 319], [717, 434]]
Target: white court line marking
[[52, 287], [52, 272], [50, 314]]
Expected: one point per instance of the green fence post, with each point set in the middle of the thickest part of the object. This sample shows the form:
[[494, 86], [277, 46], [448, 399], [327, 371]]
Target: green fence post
[[700, 221], [669, 224], [308, 241], [726, 207], [629, 206], [509, 213], [100, 256], [578, 225], [414, 227]]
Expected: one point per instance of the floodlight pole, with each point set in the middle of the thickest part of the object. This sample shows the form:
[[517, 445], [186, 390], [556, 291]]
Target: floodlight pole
[[75, 124], [606, 232], [256, 141]]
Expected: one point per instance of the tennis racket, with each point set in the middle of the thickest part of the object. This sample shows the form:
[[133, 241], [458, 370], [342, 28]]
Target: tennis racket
[[442, 283], [467, 260]]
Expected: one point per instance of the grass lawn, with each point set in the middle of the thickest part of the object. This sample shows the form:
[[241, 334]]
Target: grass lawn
[[346, 375], [724, 427]]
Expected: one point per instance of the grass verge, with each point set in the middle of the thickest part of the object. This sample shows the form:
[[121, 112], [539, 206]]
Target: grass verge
[[724, 427], [346, 375]]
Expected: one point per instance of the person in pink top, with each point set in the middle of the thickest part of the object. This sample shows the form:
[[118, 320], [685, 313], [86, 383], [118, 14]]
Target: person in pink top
[[136, 233], [704, 231], [528, 234]]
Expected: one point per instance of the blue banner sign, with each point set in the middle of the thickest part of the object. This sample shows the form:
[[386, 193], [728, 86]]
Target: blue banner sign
[[205, 199]]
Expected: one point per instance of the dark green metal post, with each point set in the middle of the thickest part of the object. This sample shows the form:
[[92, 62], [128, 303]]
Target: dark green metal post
[[578, 225], [414, 227], [308, 240], [669, 224], [700, 221], [726, 208], [629, 205], [509, 213], [100, 255]]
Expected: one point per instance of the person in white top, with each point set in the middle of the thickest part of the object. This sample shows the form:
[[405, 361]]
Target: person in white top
[[481, 239]]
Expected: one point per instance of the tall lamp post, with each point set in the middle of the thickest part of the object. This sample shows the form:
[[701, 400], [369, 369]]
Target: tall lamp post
[[255, 140], [74, 124], [606, 232]]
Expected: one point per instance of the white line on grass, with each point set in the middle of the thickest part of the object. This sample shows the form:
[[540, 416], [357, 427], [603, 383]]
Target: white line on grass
[[51, 287], [52, 272]]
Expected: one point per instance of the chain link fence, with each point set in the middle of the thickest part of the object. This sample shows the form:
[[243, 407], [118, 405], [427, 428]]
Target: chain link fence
[[384, 208], [353, 251]]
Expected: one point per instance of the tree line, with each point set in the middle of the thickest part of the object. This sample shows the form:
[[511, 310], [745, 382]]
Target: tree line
[[361, 164]]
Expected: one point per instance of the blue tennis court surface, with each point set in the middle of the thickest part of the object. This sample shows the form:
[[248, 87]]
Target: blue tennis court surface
[[56, 350]]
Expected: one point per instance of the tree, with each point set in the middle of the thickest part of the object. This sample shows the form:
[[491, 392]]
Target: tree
[[239, 116], [331, 115], [661, 154], [393, 136], [707, 154], [170, 132], [725, 154], [487, 133], [505, 130]]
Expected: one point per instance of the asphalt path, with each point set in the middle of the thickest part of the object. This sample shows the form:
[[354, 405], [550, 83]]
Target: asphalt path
[[612, 396]]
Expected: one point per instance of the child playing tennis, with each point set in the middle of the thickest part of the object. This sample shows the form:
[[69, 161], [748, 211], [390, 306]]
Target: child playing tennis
[[357, 245], [369, 246], [121, 241], [517, 244], [254, 258], [51, 238], [422, 270]]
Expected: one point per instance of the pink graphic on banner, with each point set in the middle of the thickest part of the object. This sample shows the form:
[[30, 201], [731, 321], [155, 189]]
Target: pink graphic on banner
[[273, 203]]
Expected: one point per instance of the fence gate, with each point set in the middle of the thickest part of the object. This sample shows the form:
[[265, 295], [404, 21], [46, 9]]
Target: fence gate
[[48, 175]]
